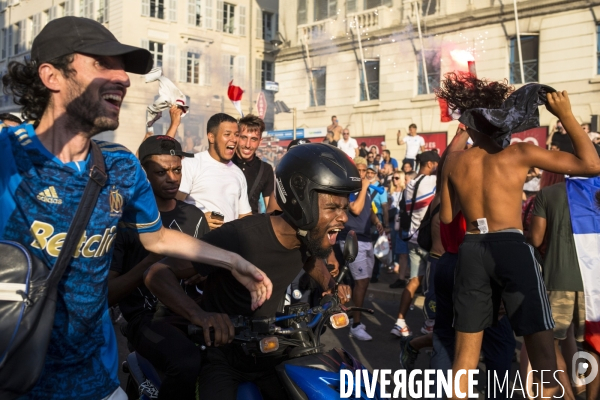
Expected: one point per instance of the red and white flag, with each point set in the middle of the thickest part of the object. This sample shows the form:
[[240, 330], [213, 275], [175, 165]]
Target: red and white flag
[[235, 95]]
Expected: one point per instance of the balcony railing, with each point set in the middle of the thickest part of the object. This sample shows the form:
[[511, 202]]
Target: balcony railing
[[530, 70], [315, 31], [368, 19]]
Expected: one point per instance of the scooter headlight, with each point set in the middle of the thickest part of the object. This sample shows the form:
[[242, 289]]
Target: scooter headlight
[[339, 320], [269, 344]]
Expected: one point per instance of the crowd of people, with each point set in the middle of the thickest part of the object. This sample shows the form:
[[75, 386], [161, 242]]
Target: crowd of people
[[174, 233]]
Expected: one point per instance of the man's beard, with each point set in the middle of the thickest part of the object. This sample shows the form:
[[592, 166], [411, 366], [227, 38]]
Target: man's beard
[[315, 244], [86, 112]]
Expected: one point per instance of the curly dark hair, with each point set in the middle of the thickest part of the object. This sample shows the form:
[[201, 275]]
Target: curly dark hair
[[463, 91], [23, 82]]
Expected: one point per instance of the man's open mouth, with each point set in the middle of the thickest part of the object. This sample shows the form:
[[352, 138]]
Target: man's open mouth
[[114, 99], [332, 235]]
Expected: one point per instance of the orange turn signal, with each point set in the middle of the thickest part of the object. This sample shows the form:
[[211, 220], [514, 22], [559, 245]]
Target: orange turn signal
[[339, 320], [269, 344]]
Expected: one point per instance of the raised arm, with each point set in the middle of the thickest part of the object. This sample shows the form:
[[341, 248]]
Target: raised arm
[[358, 204], [584, 162], [176, 113]]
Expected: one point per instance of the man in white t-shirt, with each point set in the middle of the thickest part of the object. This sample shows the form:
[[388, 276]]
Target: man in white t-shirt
[[210, 181], [417, 256], [415, 144], [348, 145]]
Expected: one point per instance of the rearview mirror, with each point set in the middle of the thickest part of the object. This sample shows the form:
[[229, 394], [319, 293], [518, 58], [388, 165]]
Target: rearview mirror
[[351, 247]]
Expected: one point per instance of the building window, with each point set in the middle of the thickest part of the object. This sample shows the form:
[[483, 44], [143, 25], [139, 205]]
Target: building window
[[432, 60], [193, 68], [428, 7], [325, 9], [102, 15], [157, 9], [379, 3], [529, 50], [157, 53], [267, 26], [317, 87], [302, 19], [598, 47], [228, 17], [195, 12], [268, 73], [17, 32], [372, 72], [3, 41]]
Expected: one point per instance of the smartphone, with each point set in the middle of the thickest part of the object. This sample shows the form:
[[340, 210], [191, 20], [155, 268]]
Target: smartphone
[[217, 215]]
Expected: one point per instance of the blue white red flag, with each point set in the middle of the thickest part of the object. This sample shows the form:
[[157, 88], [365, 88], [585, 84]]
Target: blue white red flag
[[584, 205]]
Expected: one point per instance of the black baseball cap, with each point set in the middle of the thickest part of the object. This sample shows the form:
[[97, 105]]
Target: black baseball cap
[[68, 35], [159, 145], [428, 156]]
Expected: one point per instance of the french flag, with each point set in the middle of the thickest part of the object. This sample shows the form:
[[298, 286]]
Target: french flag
[[235, 95], [584, 205]]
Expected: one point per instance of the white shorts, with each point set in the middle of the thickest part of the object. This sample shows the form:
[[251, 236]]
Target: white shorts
[[362, 267]]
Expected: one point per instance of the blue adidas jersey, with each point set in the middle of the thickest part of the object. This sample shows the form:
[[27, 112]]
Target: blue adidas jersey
[[38, 198]]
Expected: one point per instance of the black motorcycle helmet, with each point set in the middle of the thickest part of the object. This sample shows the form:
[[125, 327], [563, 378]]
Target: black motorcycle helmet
[[309, 168]]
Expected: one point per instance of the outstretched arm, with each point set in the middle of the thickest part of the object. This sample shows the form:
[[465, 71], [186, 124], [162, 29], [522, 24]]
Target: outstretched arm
[[584, 162], [172, 243]]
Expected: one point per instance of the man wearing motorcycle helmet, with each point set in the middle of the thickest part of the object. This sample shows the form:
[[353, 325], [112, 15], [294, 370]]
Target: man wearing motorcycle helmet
[[313, 182]]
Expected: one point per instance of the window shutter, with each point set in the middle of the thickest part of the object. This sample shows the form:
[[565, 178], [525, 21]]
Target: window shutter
[[145, 44], [241, 71], [23, 35], [205, 74], [219, 16], [208, 14], [351, 5], [171, 63], [69, 8], [183, 66], [192, 12], [302, 18], [145, 8], [226, 69], [259, 24], [275, 23], [9, 41], [173, 10], [331, 8], [258, 73], [37, 19], [242, 24], [106, 13]]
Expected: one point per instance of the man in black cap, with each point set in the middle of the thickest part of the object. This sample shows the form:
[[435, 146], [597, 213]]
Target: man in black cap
[[72, 88], [165, 346]]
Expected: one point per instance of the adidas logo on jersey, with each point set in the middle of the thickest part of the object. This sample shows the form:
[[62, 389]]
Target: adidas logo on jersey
[[49, 196]]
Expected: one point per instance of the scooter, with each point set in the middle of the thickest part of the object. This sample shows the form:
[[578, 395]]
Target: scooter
[[309, 373]]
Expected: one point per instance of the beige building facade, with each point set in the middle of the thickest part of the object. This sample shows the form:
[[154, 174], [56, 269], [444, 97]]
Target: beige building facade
[[326, 43], [201, 45]]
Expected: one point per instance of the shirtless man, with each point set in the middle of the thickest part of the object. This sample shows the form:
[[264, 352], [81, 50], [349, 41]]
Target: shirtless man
[[499, 264]]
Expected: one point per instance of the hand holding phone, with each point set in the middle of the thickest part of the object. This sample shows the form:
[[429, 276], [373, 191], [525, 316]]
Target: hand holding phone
[[214, 219]]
